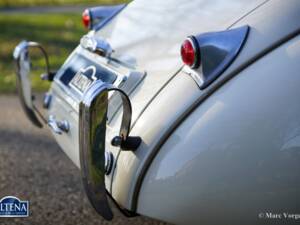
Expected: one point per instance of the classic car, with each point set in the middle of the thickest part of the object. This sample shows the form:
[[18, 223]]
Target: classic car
[[183, 111]]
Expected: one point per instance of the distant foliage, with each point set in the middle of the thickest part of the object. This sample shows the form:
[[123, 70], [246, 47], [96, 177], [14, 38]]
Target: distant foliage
[[58, 33], [25, 3]]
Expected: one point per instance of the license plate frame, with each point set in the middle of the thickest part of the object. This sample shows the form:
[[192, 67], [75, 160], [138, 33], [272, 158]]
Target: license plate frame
[[81, 82]]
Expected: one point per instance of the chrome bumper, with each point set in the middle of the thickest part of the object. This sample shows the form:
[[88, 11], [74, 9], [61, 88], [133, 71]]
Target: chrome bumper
[[92, 132], [95, 162]]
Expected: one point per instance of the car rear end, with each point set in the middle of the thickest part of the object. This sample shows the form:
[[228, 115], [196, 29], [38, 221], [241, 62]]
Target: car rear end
[[131, 75]]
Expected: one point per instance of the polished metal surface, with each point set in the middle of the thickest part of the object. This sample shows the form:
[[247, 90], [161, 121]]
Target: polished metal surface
[[92, 129], [22, 59], [161, 162], [25, 45], [109, 161], [101, 15], [94, 160], [96, 44], [47, 100], [217, 50], [65, 100], [58, 127]]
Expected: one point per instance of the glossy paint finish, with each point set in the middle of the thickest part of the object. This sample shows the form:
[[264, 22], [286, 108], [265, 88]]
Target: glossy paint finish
[[147, 36], [264, 36], [237, 154], [64, 107], [156, 49], [270, 25]]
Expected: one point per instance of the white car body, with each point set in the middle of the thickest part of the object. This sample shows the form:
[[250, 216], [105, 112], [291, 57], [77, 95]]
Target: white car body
[[218, 155]]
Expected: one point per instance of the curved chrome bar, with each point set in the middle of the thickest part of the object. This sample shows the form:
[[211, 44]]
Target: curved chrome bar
[[126, 142], [39, 46], [92, 131], [127, 112], [22, 60]]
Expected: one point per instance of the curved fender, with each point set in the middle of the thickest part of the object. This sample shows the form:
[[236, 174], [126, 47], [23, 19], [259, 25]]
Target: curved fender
[[268, 30], [236, 158]]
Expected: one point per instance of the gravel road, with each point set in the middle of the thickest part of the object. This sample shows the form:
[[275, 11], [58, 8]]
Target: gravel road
[[32, 167]]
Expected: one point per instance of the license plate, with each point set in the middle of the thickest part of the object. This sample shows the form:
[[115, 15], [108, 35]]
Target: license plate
[[81, 82], [84, 78]]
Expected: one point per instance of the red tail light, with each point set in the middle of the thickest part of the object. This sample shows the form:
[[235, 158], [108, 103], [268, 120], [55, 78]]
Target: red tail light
[[86, 19], [189, 53]]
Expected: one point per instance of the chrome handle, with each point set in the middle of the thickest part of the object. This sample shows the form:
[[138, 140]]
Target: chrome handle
[[58, 127]]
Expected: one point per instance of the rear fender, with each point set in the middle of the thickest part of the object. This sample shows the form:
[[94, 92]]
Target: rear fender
[[237, 154]]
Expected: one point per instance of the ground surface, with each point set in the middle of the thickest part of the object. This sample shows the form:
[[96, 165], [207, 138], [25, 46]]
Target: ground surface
[[32, 167]]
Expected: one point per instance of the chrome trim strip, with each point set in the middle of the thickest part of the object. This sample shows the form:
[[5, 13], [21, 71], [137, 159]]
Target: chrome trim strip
[[196, 51], [196, 76]]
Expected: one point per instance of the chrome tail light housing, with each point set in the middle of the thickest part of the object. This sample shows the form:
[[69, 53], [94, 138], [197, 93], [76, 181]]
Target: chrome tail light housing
[[206, 56]]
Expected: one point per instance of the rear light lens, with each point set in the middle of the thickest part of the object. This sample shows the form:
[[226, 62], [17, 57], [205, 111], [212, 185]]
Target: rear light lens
[[86, 19], [189, 53]]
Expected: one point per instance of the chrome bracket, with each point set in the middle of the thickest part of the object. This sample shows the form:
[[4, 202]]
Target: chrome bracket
[[58, 127], [96, 44]]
